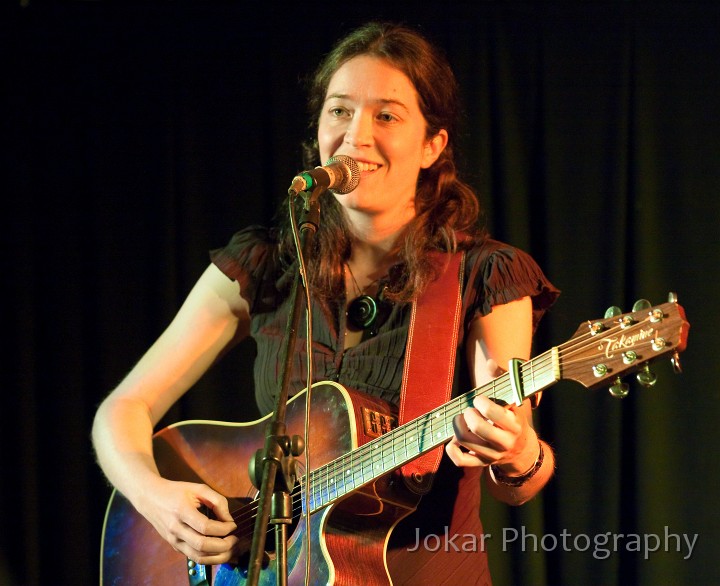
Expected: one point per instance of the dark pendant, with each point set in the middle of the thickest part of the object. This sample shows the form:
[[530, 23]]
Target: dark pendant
[[362, 312]]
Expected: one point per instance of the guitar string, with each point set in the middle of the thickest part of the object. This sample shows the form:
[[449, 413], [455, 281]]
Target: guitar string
[[538, 366], [329, 470], [332, 465]]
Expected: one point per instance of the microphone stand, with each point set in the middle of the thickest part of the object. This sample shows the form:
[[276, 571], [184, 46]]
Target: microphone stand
[[279, 450]]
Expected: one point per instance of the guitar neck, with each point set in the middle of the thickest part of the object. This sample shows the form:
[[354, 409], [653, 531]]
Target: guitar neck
[[403, 444]]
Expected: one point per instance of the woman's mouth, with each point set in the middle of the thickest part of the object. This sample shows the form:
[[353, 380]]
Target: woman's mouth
[[366, 167]]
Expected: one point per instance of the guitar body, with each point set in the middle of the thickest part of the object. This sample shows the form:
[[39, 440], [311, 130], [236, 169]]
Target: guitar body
[[348, 535]]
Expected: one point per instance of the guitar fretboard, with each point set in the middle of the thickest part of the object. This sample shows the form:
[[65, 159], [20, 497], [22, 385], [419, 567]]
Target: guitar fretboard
[[412, 439]]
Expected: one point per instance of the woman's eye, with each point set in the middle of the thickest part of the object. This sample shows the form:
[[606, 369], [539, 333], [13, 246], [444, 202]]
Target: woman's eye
[[338, 112], [386, 117]]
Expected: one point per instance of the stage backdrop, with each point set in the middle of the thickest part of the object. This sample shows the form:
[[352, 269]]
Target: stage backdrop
[[140, 135]]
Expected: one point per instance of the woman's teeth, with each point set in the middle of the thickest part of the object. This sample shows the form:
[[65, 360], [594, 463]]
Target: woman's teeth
[[367, 166]]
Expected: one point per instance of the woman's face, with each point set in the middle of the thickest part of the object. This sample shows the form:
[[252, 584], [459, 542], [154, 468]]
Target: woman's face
[[371, 113]]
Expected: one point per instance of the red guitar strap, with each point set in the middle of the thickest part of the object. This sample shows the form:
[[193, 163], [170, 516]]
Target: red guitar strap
[[430, 359]]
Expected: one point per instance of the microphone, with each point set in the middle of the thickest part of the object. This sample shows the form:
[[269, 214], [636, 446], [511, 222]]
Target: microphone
[[341, 174]]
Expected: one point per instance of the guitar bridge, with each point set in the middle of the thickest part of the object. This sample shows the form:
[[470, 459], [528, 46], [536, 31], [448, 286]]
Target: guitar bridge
[[376, 423]]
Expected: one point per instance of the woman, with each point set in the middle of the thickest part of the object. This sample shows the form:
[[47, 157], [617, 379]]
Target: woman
[[386, 98]]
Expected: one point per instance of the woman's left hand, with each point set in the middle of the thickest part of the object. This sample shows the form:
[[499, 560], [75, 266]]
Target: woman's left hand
[[488, 433]]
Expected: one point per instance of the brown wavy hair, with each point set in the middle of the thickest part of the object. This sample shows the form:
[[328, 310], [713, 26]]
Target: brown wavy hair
[[445, 206]]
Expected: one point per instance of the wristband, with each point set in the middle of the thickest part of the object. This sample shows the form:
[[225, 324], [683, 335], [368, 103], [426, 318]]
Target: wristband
[[501, 478]]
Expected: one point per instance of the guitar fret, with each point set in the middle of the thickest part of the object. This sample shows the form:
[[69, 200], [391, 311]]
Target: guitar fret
[[331, 492], [327, 485], [338, 478], [367, 469], [408, 441], [532, 374], [315, 493], [349, 474], [348, 483], [405, 445]]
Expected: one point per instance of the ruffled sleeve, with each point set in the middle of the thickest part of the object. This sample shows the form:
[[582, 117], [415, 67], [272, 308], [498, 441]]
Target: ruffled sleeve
[[251, 259], [498, 273]]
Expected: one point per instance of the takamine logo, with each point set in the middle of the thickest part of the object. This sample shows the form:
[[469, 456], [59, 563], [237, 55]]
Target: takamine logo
[[620, 343]]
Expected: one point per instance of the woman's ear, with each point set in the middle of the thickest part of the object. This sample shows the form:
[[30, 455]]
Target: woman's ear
[[433, 148]]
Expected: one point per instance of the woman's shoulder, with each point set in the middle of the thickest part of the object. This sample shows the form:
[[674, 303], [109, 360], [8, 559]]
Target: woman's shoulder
[[497, 272], [248, 250], [252, 258], [490, 253], [250, 237]]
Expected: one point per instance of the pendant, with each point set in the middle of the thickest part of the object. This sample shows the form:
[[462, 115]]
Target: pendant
[[362, 311]]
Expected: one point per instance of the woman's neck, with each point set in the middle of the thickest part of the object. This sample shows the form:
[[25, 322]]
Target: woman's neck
[[374, 247], [375, 236]]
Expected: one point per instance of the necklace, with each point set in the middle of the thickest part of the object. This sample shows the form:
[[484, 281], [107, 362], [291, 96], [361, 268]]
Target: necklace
[[362, 311]]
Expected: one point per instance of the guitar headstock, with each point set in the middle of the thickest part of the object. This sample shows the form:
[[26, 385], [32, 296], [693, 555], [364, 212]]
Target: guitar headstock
[[602, 351]]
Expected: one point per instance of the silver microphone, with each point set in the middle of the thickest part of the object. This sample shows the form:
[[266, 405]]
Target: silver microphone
[[340, 173]]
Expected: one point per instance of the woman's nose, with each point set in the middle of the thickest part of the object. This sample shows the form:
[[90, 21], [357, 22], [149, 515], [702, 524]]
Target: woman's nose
[[359, 131]]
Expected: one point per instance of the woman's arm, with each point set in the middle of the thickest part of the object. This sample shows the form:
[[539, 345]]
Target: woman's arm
[[502, 436], [212, 319]]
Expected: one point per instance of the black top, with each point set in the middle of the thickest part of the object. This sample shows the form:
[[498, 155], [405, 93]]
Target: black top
[[495, 273]]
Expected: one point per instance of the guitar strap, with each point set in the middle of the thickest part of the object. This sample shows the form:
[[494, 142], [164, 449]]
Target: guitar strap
[[429, 366]]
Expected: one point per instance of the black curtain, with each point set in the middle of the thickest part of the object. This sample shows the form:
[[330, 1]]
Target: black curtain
[[140, 135]]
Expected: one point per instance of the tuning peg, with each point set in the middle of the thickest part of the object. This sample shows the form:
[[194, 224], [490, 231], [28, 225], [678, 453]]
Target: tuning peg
[[656, 315], [641, 304], [613, 311], [619, 390], [646, 377], [596, 328], [672, 297], [675, 361], [626, 321]]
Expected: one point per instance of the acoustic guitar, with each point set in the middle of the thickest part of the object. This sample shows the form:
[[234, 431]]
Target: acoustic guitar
[[356, 450]]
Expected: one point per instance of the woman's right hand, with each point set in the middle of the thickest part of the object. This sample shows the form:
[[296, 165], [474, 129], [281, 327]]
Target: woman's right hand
[[173, 508]]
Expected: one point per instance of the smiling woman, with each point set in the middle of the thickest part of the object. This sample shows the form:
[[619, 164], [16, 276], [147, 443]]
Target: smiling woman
[[372, 114], [385, 97], [443, 205]]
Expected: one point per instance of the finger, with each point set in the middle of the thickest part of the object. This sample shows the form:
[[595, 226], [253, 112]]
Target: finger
[[207, 559], [500, 415], [487, 442], [472, 443], [460, 457], [216, 502], [204, 525], [479, 431], [466, 435], [203, 496], [205, 549]]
